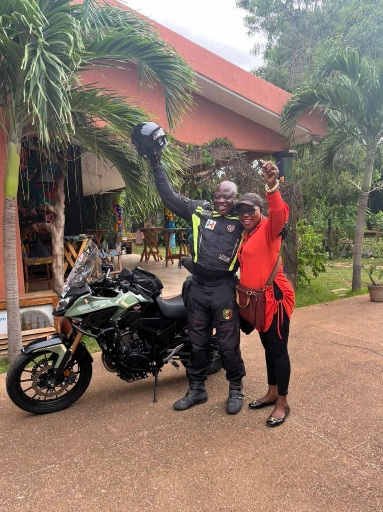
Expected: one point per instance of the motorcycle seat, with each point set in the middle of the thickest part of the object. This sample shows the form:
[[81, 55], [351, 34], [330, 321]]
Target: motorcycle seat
[[173, 308]]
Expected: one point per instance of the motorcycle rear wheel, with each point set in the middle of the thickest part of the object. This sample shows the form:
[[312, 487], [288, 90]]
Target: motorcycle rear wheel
[[31, 384]]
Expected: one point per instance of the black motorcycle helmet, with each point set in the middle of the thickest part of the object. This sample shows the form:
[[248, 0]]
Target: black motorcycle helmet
[[149, 139]]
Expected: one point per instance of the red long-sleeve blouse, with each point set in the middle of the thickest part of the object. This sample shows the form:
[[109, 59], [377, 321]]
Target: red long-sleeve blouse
[[258, 255]]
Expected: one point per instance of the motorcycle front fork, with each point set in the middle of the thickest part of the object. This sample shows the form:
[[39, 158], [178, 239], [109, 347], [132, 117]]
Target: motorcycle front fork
[[69, 353]]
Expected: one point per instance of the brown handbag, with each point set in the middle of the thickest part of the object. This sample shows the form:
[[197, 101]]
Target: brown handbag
[[251, 301]]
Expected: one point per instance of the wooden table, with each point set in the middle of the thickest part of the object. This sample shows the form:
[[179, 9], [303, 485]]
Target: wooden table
[[72, 250], [181, 242], [151, 244]]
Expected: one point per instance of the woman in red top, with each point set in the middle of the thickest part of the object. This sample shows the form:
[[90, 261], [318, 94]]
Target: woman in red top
[[258, 258]]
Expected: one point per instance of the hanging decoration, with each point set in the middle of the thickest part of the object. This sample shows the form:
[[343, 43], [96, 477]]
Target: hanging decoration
[[118, 210]]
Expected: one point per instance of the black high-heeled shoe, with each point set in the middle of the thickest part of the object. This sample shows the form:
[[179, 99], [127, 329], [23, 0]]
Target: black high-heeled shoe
[[275, 422]]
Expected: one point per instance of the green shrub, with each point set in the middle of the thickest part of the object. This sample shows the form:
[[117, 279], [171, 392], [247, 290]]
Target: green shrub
[[375, 220], [311, 255]]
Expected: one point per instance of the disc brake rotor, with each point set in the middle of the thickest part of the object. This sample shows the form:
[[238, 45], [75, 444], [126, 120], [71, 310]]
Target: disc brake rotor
[[44, 381]]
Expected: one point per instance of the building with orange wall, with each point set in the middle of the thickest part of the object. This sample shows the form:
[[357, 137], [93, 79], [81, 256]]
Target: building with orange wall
[[230, 103]]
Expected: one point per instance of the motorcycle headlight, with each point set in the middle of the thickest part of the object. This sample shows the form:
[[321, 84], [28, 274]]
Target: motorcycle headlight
[[64, 302], [61, 306]]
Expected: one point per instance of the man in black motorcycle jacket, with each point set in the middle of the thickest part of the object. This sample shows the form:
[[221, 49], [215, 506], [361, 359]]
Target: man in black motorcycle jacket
[[217, 234]]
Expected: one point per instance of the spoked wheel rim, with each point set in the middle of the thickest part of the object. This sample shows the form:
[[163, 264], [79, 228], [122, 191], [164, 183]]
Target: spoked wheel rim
[[38, 381]]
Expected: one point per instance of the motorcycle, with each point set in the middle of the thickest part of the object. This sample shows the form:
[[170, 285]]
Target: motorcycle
[[137, 331]]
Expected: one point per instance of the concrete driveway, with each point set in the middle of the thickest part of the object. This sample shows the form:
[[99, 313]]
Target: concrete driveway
[[115, 450]]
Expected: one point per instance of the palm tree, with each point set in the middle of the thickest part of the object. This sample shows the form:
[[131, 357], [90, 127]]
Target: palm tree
[[348, 89], [44, 45]]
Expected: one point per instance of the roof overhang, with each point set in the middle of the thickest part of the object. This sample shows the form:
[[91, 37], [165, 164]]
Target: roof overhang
[[231, 100]]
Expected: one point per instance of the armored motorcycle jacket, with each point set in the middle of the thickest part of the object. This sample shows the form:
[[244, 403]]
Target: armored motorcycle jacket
[[216, 237]]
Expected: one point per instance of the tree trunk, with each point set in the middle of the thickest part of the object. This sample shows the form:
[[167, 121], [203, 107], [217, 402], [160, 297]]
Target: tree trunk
[[57, 234], [361, 218], [10, 251]]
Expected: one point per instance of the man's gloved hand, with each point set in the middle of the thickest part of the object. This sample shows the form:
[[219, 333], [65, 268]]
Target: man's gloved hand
[[150, 140]]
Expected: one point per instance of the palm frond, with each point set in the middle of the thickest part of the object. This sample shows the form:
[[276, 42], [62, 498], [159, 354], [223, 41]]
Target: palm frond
[[344, 95], [20, 13], [349, 62], [305, 99], [160, 63], [19, 21], [106, 145], [333, 144], [50, 58], [142, 199], [99, 104], [97, 18], [347, 90]]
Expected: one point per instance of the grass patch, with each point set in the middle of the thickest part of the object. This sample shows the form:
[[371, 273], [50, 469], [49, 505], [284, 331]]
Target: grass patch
[[333, 284], [3, 364]]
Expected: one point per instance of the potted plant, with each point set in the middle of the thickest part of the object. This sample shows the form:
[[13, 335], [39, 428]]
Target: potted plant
[[375, 289]]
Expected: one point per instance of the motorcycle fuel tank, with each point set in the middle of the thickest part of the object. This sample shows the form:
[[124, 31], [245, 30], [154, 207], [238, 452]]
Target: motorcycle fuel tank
[[89, 303]]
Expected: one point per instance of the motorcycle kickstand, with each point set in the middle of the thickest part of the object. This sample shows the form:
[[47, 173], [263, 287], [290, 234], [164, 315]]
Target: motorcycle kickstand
[[155, 382]]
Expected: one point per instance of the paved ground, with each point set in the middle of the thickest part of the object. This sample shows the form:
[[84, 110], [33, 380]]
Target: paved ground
[[115, 450]]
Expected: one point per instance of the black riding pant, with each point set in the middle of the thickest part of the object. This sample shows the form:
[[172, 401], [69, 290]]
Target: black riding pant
[[212, 305], [274, 342]]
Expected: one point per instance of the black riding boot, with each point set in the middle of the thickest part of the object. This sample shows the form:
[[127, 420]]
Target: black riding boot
[[196, 394], [235, 398]]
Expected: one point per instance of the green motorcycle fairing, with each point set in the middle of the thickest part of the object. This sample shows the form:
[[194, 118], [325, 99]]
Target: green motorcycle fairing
[[89, 303]]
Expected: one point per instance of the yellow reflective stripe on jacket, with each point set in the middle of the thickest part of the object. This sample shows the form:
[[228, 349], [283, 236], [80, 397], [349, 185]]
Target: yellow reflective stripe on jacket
[[229, 217], [232, 264], [196, 221]]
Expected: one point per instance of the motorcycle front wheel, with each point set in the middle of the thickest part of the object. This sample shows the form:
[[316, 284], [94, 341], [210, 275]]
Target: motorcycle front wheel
[[32, 385]]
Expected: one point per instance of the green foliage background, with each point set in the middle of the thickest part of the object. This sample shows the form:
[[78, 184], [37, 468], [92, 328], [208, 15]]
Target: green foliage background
[[300, 36]]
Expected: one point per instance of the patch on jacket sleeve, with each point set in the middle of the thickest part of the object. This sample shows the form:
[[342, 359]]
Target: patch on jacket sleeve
[[210, 224], [230, 228], [227, 314]]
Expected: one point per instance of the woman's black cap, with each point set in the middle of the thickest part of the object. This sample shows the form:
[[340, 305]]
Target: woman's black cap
[[250, 199]]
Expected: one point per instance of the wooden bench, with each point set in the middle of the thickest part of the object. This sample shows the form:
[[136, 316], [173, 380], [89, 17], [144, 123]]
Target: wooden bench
[[41, 298], [27, 337]]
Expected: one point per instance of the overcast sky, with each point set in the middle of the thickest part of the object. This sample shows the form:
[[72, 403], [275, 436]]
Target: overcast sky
[[215, 24]]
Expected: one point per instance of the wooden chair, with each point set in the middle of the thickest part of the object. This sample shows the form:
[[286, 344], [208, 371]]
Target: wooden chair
[[127, 241], [181, 243], [37, 261], [151, 244]]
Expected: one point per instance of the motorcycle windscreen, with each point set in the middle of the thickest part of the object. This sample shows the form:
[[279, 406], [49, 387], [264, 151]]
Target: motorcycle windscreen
[[83, 268]]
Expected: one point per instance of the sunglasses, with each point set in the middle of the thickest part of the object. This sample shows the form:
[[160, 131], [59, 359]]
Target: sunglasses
[[248, 210]]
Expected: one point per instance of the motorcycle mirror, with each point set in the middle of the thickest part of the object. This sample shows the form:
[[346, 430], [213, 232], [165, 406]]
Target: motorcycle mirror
[[107, 268]]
